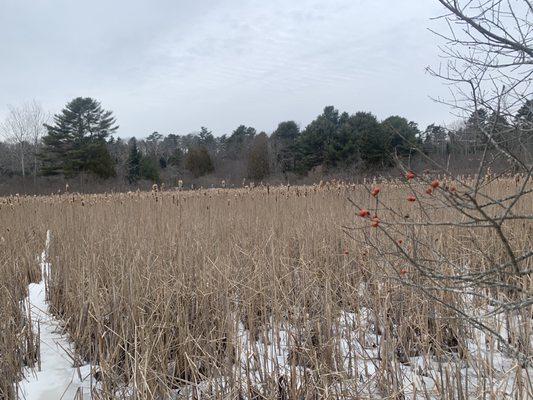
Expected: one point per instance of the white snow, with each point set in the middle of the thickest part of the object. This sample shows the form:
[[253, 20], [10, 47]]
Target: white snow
[[57, 378], [357, 347]]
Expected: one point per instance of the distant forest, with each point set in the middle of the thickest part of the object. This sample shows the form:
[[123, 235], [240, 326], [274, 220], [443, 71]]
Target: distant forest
[[77, 147]]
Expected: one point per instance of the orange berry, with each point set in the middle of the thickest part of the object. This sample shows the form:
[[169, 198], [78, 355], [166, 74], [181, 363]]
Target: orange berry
[[411, 198], [375, 192], [345, 252], [435, 184], [375, 222], [410, 175], [400, 241], [429, 190]]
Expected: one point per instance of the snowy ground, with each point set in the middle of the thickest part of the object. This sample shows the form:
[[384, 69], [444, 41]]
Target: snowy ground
[[57, 378], [484, 372], [356, 353]]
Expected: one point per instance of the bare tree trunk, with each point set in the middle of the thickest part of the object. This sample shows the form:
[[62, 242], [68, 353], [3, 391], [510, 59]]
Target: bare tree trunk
[[22, 161], [35, 167]]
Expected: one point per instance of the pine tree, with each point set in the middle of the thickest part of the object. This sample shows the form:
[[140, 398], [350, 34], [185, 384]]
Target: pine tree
[[401, 135], [149, 170], [524, 117], [283, 141], [499, 130], [77, 141], [372, 141], [206, 139], [134, 162], [475, 126], [176, 158], [258, 158], [236, 146], [315, 139]]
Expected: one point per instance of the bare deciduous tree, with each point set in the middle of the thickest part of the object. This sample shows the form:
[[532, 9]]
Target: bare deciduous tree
[[24, 127], [489, 52]]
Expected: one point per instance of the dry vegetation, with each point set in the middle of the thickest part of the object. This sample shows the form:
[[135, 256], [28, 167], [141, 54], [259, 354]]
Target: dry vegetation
[[276, 293], [21, 243]]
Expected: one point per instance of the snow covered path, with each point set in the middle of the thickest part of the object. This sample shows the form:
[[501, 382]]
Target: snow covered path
[[57, 379]]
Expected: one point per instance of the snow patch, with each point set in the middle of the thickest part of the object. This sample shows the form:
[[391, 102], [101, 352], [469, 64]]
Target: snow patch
[[55, 377]]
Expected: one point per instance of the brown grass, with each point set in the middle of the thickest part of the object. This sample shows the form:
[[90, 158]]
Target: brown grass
[[21, 242], [158, 290]]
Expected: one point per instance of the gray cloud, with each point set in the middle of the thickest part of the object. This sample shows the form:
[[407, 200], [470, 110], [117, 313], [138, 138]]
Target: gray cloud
[[173, 66]]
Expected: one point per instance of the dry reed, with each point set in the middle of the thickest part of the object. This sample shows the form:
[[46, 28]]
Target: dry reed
[[256, 293]]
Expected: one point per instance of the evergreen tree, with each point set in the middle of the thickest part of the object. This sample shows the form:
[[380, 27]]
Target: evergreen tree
[[283, 141], [473, 135], [258, 158], [524, 127], [402, 135], [170, 145], [236, 146], [436, 139], [315, 139], [343, 149], [198, 161], [206, 139], [149, 170], [499, 129], [77, 141], [134, 162], [435, 134], [372, 141], [524, 122], [339, 140], [153, 145], [176, 158], [95, 158]]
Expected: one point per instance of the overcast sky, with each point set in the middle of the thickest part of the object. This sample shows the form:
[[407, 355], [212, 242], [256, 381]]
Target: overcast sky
[[174, 65]]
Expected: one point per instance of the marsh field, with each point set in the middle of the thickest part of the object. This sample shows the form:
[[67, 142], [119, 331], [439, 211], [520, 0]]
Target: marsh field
[[331, 291]]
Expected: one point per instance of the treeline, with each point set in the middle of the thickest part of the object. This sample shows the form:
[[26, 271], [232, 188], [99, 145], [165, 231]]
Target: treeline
[[79, 142]]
